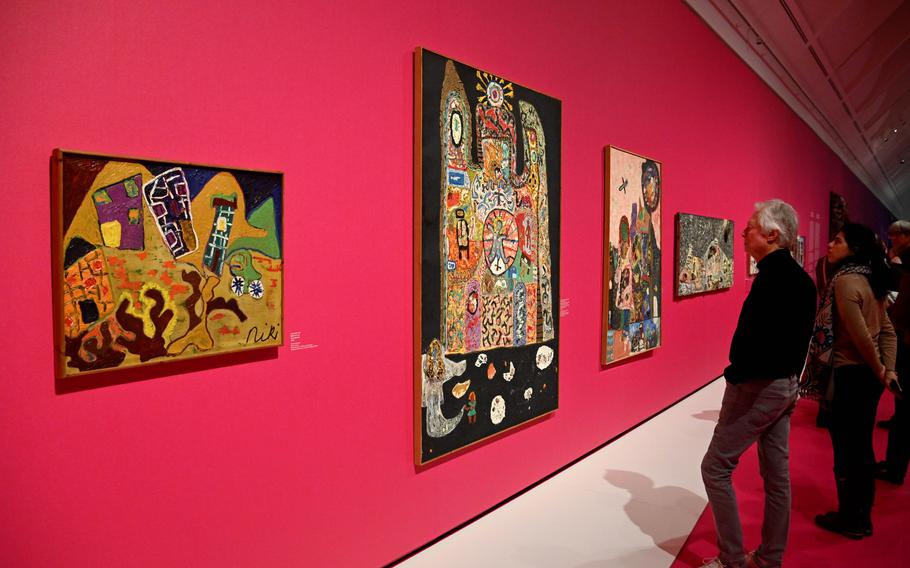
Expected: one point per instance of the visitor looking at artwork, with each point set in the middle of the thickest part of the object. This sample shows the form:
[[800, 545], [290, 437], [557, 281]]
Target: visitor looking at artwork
[[762, 388], [855, 339]]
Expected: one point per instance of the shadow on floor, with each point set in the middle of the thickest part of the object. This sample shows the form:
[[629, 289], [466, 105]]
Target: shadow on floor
[[666, 514], [708, 415]]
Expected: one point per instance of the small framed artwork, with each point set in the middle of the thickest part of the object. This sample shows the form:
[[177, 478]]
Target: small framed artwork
[[632, 250], [704, 254], [157, 261], [800, 253]]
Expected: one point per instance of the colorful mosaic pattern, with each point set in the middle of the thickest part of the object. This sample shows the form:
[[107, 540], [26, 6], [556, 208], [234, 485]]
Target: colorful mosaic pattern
[[632, 303], [132, 285], [489, 208], [704, 254]]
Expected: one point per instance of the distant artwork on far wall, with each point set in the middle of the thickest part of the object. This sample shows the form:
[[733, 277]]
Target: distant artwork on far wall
[[800, 253], [159, 261], [632, 247], [704, 254], [837, 214]]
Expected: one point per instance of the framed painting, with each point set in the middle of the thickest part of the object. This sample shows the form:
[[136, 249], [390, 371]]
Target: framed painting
[[704, 254], [800, 253], [838, 214], [486, 241], [157, 261], [632, 251]]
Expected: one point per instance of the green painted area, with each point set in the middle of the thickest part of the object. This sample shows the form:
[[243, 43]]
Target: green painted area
[[241, 264], [262, 218], [101, 196], [527, 272], [132, 190]]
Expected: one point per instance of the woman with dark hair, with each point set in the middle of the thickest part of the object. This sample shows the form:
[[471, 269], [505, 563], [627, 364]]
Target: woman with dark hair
[[854, 336]]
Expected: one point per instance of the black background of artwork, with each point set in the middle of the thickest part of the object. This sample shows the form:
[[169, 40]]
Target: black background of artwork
[[523, 358]]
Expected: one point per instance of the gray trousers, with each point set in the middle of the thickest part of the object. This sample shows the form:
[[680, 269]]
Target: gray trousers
[[755, 411]]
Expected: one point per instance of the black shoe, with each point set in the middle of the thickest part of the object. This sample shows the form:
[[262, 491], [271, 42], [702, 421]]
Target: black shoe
[[887, 475], [833, 522]]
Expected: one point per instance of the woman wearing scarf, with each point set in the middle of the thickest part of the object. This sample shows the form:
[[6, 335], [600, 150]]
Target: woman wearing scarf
[[854, 339]]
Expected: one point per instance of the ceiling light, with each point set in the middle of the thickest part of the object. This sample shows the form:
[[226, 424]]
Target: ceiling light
[[895, 130]]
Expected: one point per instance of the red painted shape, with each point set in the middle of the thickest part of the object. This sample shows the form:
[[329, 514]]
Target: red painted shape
[[178, 289]]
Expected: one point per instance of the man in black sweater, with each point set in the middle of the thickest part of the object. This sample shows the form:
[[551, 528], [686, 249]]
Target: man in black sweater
[[767, 355]]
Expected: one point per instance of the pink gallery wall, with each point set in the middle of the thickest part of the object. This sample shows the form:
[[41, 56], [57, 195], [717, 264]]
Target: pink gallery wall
[[304, 458]]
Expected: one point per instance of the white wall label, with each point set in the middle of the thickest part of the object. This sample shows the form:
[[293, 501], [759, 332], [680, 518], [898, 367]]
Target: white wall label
[[296, 344]]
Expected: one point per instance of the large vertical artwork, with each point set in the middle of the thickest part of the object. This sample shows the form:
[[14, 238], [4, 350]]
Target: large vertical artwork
[[157, 261], [632, 249], [487, 184], [704, 254]]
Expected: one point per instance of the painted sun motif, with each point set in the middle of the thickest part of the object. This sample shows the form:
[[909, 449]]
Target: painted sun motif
[[494, 90]]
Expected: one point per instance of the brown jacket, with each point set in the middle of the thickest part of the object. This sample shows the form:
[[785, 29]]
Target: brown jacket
[[863, 334]]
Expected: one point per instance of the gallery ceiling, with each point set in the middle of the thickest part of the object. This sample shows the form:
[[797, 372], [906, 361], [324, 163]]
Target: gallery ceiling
[[843, 66]]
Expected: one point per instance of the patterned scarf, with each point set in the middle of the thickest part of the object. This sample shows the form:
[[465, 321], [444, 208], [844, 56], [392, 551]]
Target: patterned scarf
[[816, 380]]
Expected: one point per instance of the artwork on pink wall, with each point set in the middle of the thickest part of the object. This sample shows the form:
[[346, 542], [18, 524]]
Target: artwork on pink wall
[[704, 254], [486, 227], [632, 252], [161, 261], [838, 213]]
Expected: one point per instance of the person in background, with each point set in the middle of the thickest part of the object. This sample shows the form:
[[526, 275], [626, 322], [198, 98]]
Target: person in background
[[824, 270], [893, 468], [766, 357], [854, 336]]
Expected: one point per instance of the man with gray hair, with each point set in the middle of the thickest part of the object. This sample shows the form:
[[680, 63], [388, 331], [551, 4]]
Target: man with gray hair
[[766, 358]]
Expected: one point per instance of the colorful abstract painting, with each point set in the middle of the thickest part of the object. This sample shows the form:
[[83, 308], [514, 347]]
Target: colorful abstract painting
[[632, 248], [487, 185], [157, 261], [704, 254]]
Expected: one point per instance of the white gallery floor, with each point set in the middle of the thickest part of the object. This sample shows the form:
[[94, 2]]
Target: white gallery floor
[[631, 504]]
